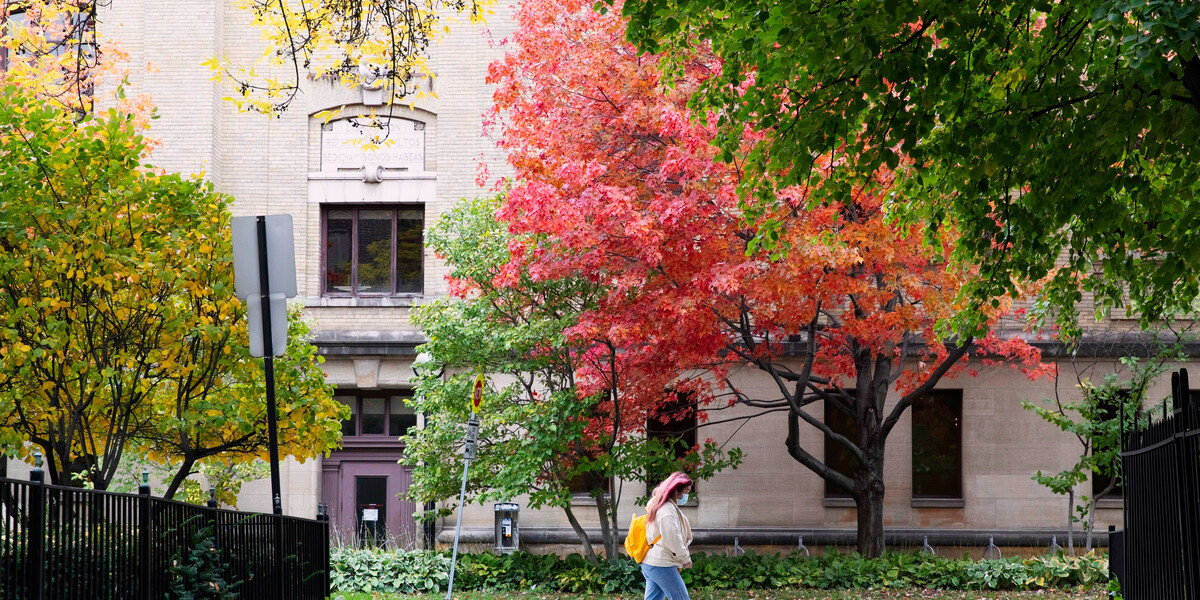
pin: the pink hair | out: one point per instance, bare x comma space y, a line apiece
669, 486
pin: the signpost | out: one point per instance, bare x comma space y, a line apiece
470, 447
264, 274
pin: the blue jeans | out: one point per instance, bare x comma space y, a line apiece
664, 582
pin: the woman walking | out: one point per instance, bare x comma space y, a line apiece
669, 555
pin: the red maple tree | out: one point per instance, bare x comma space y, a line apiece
614, 175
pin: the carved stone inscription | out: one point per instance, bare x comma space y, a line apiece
394, 144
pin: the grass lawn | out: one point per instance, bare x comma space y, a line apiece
915, 594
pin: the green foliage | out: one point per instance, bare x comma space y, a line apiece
359, 570
538, 432
119, 329
397, 572
199, 574
1039, 129
1096, 421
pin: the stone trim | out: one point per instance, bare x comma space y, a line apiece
368, 343
788, 536
938, 503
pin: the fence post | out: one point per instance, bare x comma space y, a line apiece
145, 538
280, 575
324, 519
35, 576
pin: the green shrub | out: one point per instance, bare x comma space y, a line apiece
389, 572
369, 570
197, 573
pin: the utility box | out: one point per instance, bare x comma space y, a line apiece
508, 535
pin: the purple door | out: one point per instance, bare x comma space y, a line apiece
366, 500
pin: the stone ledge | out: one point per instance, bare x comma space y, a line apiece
368, 343
788, 536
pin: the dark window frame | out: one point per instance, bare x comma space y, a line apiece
1099, 482
83, 21
832, 490
4, 14
684, 430
387, 395
579, 492
956, 397
395, 209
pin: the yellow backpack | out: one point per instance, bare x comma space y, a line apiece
635, 541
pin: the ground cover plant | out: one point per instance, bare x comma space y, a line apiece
368, 571
790, 594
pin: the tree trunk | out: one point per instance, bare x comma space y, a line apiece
588, 552
185, 469
1071, 523
618, 543
870, 520
1091, 518
607, 532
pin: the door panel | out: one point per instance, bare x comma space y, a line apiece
375, 485
370, 498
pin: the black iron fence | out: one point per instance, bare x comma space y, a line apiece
59, 542
1160, 463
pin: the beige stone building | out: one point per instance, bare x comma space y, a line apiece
358, 221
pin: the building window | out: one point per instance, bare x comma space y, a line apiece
674, 425
937, 446
12, 18
376, 414
72, 33
837, 456
579, 488
373, 251
1108, 410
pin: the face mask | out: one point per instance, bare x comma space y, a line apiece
682, 500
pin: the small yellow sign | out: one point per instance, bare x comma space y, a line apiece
477, 394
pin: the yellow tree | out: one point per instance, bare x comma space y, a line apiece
378, 43
51, 48
119, 327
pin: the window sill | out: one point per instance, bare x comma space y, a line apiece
404, 301
1111, 503
938, 503
586, 500
834, 502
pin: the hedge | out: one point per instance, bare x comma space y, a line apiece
423, 571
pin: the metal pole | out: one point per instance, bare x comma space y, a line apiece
264, 285
36, 533
462, 496
146, 538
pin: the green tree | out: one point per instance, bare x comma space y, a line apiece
1096, 421
119, 328
537, 433
212, 409
1042, 130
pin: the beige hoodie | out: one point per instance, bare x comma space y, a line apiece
676, 532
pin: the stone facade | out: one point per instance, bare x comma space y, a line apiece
275, 165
